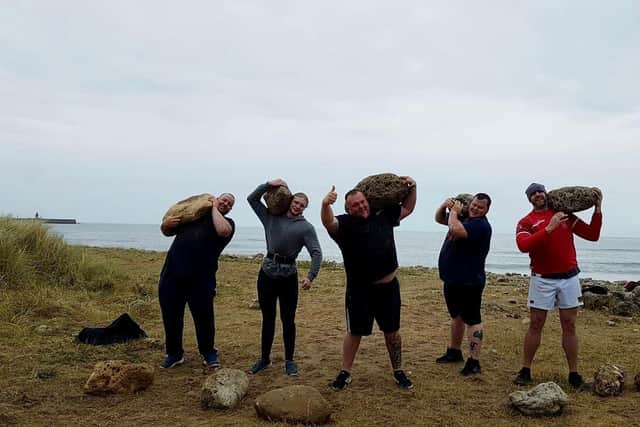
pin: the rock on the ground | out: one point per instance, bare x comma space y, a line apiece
224, 389
382, 190
595, 301
543, 399
278, 200
118, 376
608, 380
626, 308
297, 403
191, 208
636, 381
571, 199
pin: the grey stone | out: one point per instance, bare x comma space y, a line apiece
382, 190
278, 200
465, 199
543, 399
297, 403
608, 380
118, 376
224, 389
191, 208
626, 308
595, 302
571, 199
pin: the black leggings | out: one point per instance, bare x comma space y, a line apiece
174, 294
269, 291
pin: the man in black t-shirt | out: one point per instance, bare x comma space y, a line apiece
189, 277
369, 253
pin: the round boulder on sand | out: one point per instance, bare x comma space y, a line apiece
118, 376
382, 190
296, 403
278, 200
608, 380
543, 399
571, 199
224, 389
191, 208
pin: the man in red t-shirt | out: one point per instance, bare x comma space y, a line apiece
548, 238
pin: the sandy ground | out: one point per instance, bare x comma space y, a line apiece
42, 373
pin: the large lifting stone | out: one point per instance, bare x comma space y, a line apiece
571, 199
278, 200
382, 190
191, 208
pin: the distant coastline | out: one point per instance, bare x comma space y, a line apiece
51, 220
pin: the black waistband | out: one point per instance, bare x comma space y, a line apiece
280, 259
565, 275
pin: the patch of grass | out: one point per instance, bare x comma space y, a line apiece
43, 369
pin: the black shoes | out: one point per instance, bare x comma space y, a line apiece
578, 383
472, 367
342, 380
453, 355
402, 380
523, 377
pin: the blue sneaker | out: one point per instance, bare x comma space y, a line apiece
290, 368
260, 365
172, 361
211, 360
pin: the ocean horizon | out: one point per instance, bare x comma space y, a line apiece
611, 258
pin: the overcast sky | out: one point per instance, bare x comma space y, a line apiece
112, 111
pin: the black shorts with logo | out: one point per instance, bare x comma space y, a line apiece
379, 301
464, 301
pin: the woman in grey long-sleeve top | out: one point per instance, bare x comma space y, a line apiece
278, 278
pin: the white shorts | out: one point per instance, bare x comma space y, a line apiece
547, 294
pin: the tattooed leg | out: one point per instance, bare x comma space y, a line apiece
475, 335
394, 347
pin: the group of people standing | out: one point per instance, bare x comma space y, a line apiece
366, 241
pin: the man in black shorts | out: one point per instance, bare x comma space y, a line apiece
461, 266
369, 253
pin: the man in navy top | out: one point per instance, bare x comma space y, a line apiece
189, 277
461, 265
368, 250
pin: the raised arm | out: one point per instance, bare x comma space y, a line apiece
455, 226
220, 223
409, 202
326, 213
591, 231
254, 198
441, 216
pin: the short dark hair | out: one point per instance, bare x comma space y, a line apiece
483, 196
346, 196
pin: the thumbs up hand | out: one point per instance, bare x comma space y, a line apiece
331, 197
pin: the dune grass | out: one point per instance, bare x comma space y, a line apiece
42, 368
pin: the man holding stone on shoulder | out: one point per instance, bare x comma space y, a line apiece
368, 249
547, 236
462, 269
